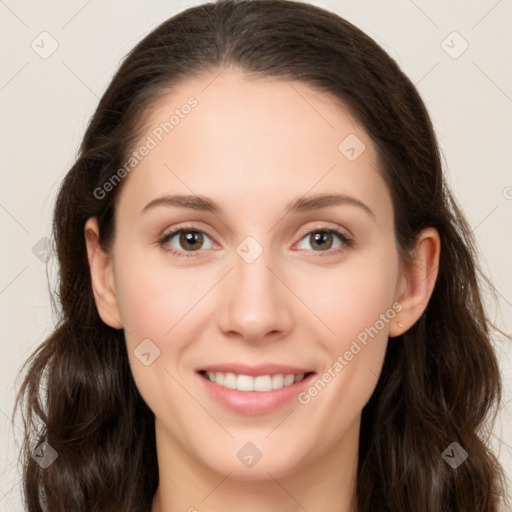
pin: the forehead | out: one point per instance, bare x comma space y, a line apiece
245, 139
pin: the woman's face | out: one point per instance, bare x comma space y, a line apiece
255, 290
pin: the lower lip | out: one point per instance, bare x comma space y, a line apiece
254, 402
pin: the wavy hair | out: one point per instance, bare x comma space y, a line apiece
440, 382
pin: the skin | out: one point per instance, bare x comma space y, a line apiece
253, 146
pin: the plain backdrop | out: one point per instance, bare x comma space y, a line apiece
457, 53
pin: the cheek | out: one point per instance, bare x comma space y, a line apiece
152, 299
161, 304
357, 303
353, 297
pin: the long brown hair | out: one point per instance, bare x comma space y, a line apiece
440, 382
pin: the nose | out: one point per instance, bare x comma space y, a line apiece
255, 305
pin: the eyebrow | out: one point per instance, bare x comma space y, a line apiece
301, 204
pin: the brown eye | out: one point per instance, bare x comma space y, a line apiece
321, 239
192, 240
324, 240
183, 241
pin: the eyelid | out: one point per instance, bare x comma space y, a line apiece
171, 233
327, 226
347, 241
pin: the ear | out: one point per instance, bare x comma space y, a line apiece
417, 281
102, 276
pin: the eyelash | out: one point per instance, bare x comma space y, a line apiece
165, 237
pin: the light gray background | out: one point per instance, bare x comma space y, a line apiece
46, 103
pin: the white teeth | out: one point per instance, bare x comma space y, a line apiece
244, 383
288, 379
229, 381
277, 381
263, 383
249, 383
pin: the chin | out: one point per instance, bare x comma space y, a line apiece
246, 461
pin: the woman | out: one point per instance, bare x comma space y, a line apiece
269, 295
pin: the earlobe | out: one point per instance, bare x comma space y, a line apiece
102, 276
417, 281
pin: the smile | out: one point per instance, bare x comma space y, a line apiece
253, 390
260, 383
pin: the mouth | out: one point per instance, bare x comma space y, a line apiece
260, 383
254, 390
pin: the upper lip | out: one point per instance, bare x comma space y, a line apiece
255, 370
